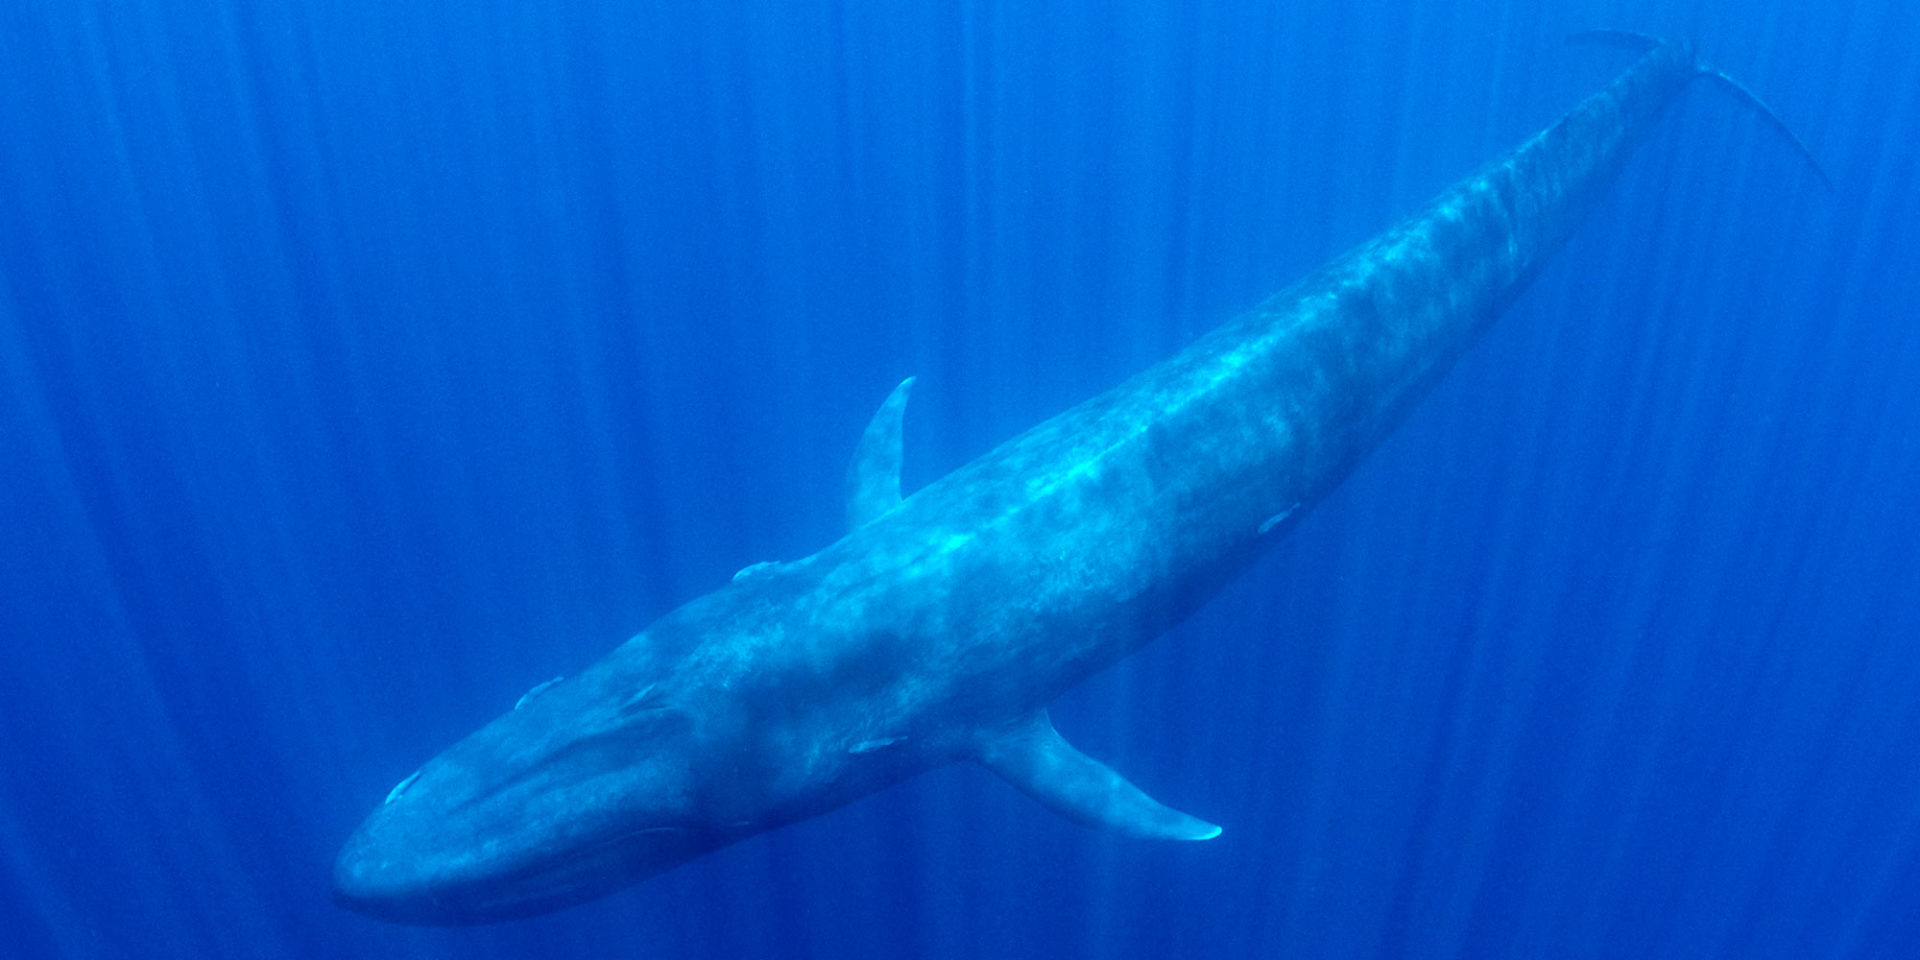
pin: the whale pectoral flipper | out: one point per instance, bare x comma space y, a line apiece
1034, 757
873, 478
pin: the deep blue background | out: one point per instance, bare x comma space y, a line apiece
364, 364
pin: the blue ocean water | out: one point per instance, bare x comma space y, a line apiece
362, 365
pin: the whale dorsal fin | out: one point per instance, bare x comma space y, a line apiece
1034, 757
873, 479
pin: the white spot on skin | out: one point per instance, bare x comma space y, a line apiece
1277, 519
868, 746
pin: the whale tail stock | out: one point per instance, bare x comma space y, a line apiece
1641, 42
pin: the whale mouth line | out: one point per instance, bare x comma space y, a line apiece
532, 889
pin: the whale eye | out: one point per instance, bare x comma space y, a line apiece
400, 788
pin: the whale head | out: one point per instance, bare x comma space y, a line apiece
566, 798
588, 785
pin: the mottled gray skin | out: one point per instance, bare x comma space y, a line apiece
940, 627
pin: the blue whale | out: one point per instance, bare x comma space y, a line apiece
942, 624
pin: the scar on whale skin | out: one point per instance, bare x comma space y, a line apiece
1277, 519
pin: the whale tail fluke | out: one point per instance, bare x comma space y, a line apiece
1766, 113
1632, 40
